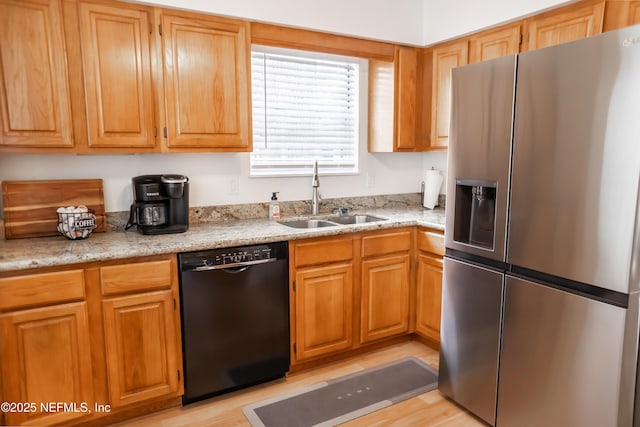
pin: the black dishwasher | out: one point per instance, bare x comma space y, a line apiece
235, 318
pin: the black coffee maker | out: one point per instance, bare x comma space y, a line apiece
161, 204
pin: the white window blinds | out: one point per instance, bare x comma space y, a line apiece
305, 108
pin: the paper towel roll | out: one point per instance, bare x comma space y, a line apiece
432, 184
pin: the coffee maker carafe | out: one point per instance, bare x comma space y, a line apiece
161, 204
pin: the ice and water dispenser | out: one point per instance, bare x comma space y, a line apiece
475, 213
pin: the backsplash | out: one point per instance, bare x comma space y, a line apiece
117, 220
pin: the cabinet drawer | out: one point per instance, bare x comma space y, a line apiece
380, 244
41, 289
321, 252
140, 276
431, 241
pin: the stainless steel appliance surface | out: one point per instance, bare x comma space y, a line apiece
566, 239
235, 318
476, 233
471, 336
558, 355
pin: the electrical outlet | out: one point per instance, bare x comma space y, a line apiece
233, 185
371, 179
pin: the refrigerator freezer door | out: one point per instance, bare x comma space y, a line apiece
560, 360
480, 150
470, 336
576, 161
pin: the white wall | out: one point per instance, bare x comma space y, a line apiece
447, 19
217, 179
391, 20
412, 22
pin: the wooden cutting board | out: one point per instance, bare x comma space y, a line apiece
30, 206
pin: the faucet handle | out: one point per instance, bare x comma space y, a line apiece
341, 211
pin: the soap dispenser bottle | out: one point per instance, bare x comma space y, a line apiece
274, 208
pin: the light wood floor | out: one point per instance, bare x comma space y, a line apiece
428, 409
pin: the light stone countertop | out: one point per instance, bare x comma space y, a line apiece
22, 254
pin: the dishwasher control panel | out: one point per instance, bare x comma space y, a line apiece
232, 256
235, 256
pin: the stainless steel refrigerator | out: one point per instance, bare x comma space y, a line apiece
541, 288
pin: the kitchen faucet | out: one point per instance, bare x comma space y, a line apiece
315, 196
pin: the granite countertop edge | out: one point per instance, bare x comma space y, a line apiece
24, 254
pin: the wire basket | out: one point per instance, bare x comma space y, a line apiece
76, 223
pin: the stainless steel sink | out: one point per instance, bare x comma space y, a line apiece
357, 219
309, 223
334, 221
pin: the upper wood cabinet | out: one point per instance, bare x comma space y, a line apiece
381, 106
207, 81
634, 13
35, 100
116, 54
87, 76
405, 117
392, 102
494, 43
574, 22
445, 58
621, 13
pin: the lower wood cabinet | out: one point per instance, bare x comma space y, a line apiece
429, 296
321, 301
385, 297
349, 291
385, 283
59, 354
45, 358
109, 333
324, 310
430, 245
142, 355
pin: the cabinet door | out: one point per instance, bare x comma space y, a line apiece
117, 71
444, 60
141, 347
385, 297
34, 86
407, 69
567, 24
494, 44
429, 296
393, 103
622, 13
206, 83
324, 310
46, 358
381, 106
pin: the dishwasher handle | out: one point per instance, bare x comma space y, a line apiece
231, 265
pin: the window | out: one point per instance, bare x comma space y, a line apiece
305, 108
